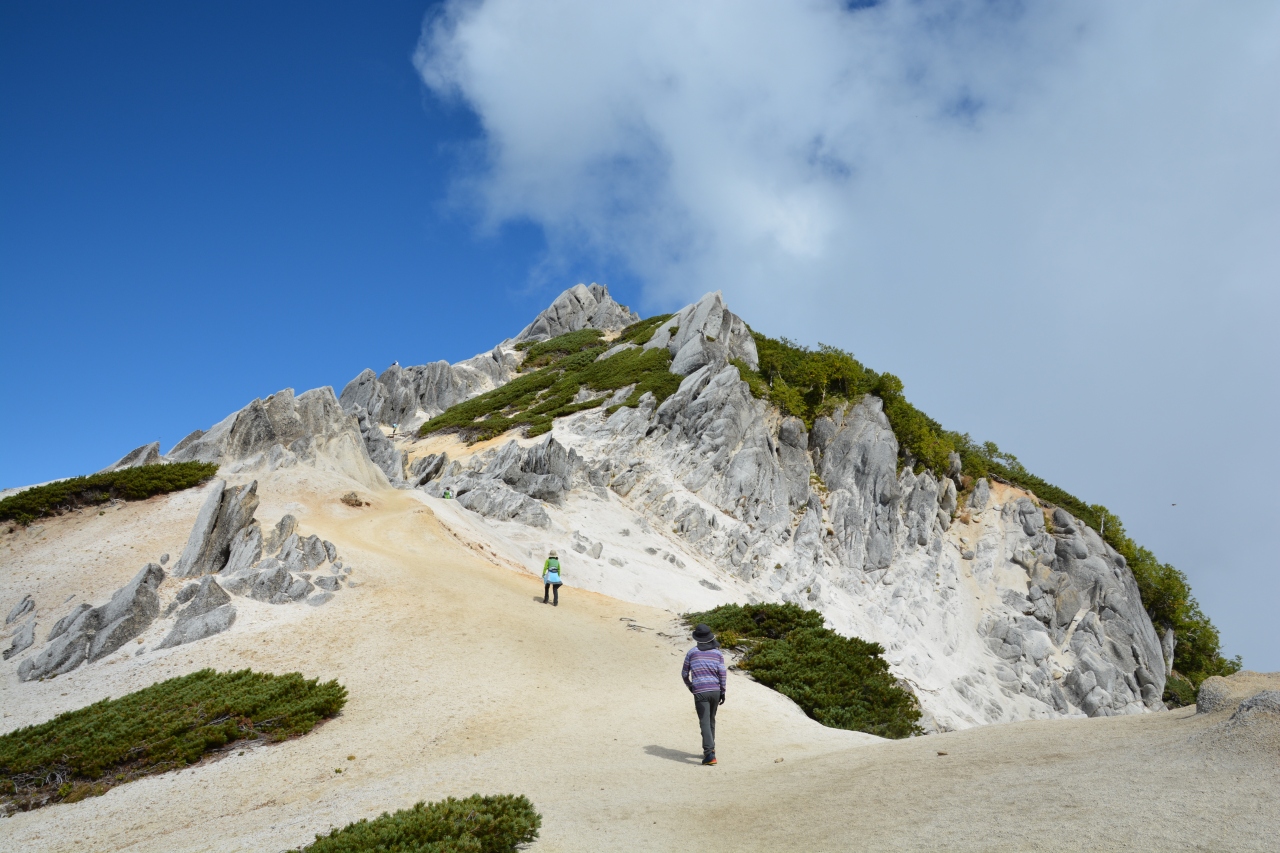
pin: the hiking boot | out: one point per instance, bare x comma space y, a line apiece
709, 760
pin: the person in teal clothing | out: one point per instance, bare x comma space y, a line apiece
551, 578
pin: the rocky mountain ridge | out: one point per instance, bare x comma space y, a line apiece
990, 606
984, 610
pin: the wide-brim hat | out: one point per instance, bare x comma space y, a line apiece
702, 633
554, 554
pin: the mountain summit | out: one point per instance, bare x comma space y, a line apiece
992, 605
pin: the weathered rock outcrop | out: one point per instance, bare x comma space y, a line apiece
281, 431
282, 578
22, 608
989, 614
426, 468
381, 450
90, 633
225, 513
209, 611
706, 332
22, 640
579, 307
512, 482
147, 454
407, 396
1225, 693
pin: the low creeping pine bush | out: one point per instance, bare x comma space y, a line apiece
477, 824
162, 727
555, 372
842, 682
130, 484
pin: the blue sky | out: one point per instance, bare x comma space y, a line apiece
1056, 222
204, 203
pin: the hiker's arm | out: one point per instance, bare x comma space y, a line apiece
684, 674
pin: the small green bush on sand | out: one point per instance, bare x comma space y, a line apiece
477, 824
165, 726
842, 682
131, 484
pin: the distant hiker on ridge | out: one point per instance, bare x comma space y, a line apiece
551, 578
705, 676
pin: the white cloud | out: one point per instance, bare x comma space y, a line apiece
1057, 221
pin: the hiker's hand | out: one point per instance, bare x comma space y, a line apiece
721, 698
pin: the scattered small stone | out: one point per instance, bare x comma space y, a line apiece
352, 499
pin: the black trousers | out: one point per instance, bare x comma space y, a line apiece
706, 704
546, 588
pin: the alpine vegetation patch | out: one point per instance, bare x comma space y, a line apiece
842, 682
555, 375
130, 484
477, 824
166, 726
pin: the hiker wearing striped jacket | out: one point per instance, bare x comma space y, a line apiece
705, 675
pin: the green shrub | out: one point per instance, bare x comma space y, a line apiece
541, 353
1179, 692
642, 332
739, 625
842, 682
130, 484
161, 727
560, 369
494, 824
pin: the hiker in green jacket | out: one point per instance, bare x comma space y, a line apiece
551, 578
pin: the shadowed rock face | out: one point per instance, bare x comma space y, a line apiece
209, 611
147, 454
381, 450
22, 608
22, 640
225, 513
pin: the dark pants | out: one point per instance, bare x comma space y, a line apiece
706, 704
546, 588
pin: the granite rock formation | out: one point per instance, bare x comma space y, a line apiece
282, 431
209, 611
147, 454
580, 307
990, 614
91, 633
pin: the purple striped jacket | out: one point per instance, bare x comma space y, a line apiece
704, 671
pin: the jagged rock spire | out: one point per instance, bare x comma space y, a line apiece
579, 307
